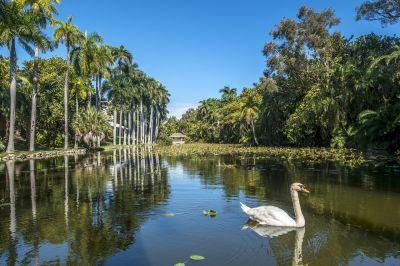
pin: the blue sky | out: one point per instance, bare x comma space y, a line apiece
197, 47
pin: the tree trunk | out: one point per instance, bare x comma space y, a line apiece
97, 91
133, 133
157, 126
141, 122
137, 127
129, 128
115, 127
124, 120
254, 133
150, 141
76, 112
13, 92
34, 101
89, 100
120, 128
100, 90
66, 89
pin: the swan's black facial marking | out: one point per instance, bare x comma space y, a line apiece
303, 189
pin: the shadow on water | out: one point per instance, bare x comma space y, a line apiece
107, 208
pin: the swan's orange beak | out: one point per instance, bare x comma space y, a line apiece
305, 190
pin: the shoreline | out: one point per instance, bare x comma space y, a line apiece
349, 157
28, 155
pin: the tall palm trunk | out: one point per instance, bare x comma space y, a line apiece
89, 99
120, 128
100, 90
97, 91
66, 88
76, 112
34, 100
129, 128
254, 132
13, 92
133, 130
141, 121
137, 127
150, 141
115, 128
157, 124
124, 120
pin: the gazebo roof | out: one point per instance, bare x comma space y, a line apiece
177, 135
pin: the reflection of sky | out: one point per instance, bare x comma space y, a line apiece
50, 252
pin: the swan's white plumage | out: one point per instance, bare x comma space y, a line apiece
274, 216
269, 215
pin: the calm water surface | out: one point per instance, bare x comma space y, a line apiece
112, 208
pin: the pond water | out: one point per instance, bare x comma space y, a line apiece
129, 208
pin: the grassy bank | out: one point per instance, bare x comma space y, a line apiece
40, 154
346, 156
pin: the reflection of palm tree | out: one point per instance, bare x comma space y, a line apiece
66, 204
276, 231
33, 188
34, 212
13, 219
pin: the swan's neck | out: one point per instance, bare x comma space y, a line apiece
300, 222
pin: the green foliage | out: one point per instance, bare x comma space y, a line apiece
385, 11
2, 146
91, 126
50, 109
315, 92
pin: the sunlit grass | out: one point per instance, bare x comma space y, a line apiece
347, 156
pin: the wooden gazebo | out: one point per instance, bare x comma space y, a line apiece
178, 138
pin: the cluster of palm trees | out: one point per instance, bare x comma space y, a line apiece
92, 61
139, 103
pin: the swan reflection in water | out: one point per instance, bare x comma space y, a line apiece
276, 231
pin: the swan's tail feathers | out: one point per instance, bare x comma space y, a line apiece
244, 208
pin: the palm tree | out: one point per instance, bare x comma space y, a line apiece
103, 60
16, 25
228, 94
161, 108
43, 11
83, 57
69, 35
81, 89
250, 113
122, 57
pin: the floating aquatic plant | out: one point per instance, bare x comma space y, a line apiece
169, 214
197, 257
192, 257
211, 213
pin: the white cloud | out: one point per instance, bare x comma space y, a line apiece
179, 109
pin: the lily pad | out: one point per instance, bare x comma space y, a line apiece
179, 264
197, 257
211, 213
169, 214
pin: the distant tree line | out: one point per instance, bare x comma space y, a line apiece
318, 89
45, 101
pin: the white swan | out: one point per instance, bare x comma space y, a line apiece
271, 215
